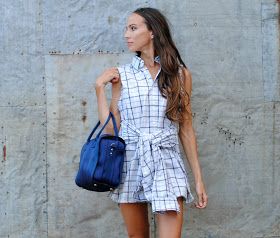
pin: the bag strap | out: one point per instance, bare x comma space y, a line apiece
106, 122
114, 124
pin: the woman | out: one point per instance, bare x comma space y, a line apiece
151, 104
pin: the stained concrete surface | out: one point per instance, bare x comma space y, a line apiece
51, 53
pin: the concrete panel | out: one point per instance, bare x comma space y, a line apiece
21, 65
21, 27
72, 113
23, 172
270, 49
23, 192
87, 26
22, 81
223, 7
230, 107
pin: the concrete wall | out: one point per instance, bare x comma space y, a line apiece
52, 51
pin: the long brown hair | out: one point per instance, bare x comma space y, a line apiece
170, 81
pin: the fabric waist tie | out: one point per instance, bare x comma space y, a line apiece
152, 170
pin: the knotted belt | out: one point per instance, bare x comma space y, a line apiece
152, 174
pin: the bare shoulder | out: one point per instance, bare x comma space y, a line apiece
187, 73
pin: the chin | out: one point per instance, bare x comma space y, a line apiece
133, 48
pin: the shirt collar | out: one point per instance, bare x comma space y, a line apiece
138, 63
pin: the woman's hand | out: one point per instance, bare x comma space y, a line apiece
109, 75
201, 194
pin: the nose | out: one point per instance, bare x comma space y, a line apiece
126, 33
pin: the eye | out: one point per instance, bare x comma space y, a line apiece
133, 28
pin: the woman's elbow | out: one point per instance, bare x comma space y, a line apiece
186, 131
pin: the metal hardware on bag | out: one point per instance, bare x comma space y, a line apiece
95, 185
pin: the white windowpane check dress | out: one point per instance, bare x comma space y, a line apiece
153, 169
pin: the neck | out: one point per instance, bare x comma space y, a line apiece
149, 57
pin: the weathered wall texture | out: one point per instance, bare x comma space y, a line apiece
51, 53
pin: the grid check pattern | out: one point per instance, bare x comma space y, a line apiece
153, 169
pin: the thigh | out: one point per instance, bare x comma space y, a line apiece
136, 219
170, 223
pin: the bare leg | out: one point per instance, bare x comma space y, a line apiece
170, 223
136, 219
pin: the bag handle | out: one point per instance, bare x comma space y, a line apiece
106, 122
114, 124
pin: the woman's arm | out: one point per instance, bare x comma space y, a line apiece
188, 140
109, 75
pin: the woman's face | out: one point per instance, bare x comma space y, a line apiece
137, 35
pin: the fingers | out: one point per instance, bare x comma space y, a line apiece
115, 80
114, 73
109, 75
202, 200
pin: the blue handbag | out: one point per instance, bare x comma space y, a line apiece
101, 160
